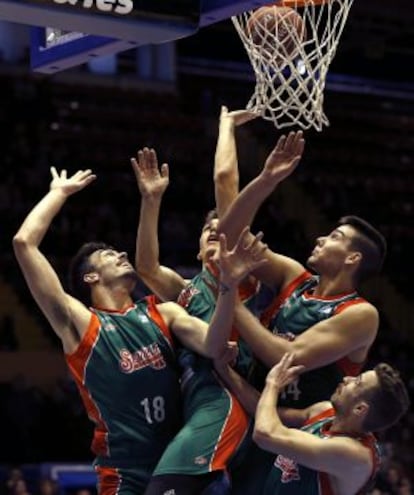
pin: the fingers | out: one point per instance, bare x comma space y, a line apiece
165, 171
286, 360
78, 175
147, 163
82, 173
294, 142
223, 111
238, 117
223, 243
286, 364
252, 243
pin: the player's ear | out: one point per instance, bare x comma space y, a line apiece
353, 258
91, 277
361, 409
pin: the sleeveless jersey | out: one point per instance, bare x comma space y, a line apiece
215, 424
199, 299
292, 313
289, 478
125, 368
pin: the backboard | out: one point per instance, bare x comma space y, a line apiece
67, 33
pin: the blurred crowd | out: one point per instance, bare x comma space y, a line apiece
18, 481
76, 126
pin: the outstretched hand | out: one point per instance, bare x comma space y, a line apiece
245, 257
152, 180
285, 157
236, 117
72, 184
284, 372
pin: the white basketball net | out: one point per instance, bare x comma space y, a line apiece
290, 87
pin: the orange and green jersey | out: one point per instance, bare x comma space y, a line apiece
294, 311
290, 478
199, 299
125, 368
215, 424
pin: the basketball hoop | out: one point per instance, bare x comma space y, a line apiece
290, 82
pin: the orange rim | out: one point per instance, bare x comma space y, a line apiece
301, 3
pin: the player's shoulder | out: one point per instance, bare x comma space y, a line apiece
170, 309
362, 309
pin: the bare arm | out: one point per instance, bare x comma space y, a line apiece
211, 340
281, 162
249, 396
340, 456
351, 330
226, 173
152, 183
63, 312
246, 394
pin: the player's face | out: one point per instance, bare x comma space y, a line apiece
353, 389
331, 252
112, 265
208, 240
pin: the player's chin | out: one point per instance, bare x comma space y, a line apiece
311, 262
211, 251
131, 274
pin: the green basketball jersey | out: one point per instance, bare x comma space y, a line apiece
289, 478
125, 368
215, 424
199, 299
293, 312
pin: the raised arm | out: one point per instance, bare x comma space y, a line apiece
340, 456
281, 162
211, 340
249, 396
226, 172
246, 393
62, 311
152, 183
350, 332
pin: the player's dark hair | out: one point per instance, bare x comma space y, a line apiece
369, 242
388, 401
211, 215
81, 265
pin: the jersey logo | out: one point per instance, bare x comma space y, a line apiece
289, 468
326, 311
150, 355
109, 327
186, 295
200, 461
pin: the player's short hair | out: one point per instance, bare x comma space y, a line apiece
80, 265
211, 215
388, 400
370, 242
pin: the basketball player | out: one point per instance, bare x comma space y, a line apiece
333, 451
320, 318
121, 352
215, 423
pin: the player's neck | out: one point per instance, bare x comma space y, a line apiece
111, 299
345, 425
328, 286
